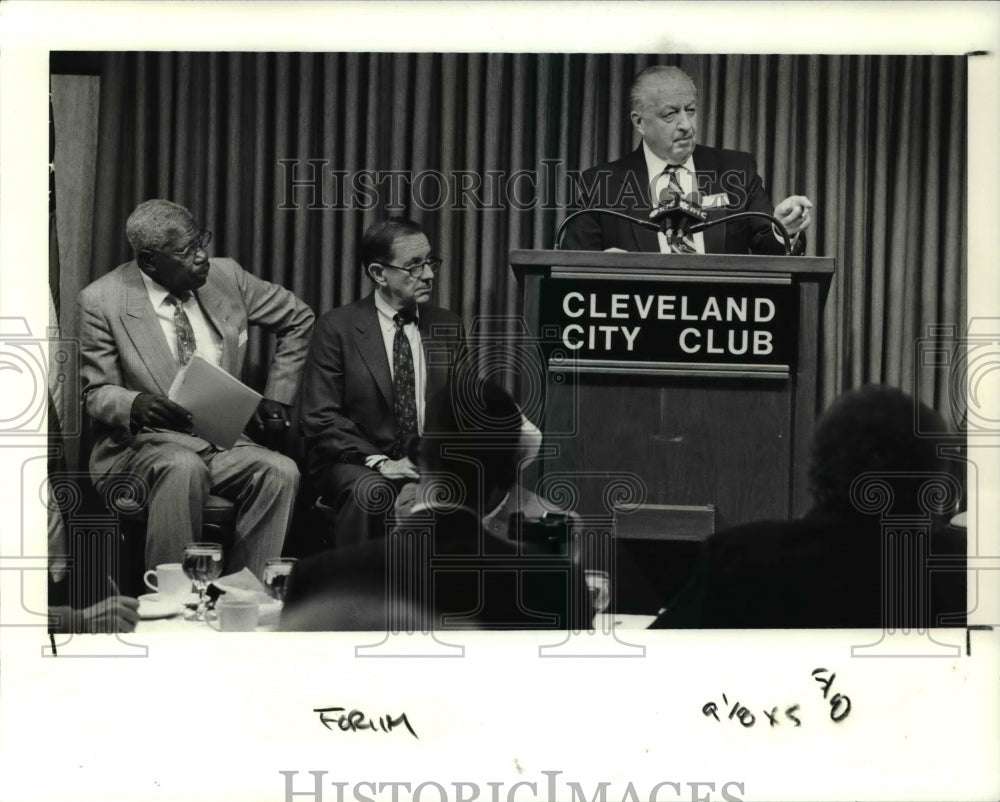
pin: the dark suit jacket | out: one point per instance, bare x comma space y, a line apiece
124, 352
347, 387
822, 570
438, 570
623, 185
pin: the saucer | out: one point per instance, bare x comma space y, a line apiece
183, 600
150, 609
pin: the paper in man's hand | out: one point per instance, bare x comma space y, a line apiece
220, 405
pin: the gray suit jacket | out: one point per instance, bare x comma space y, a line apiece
124, 352
347, 387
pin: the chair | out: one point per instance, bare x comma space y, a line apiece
325, 513
656, 548
127, 503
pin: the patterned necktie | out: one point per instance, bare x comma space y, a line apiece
678, 244
185, 334
404, 393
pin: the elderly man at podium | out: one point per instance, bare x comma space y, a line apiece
670, 165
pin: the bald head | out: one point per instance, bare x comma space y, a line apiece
651, 78
663, 110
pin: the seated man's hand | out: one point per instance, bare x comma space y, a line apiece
615, 250
793, 213
158, 412
271, 414
398, 469
406, 498
114, 614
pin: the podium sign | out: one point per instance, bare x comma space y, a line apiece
671, 324
694, 374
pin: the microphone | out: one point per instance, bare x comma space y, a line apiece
676, 214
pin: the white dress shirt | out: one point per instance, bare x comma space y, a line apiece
685, 176
412, 331
208, 342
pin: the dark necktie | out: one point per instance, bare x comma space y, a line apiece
404, 393
678, 244
186, 344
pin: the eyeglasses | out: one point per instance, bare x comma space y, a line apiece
416, 271
198, 244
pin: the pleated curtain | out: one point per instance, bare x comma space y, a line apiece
877, 142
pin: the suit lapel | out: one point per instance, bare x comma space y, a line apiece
139, 321
436, 335
646, 240
371, 346
715, 237
217, 309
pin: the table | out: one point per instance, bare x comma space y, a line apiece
267, 622
604, 621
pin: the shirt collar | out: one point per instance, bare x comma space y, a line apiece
655, 165
386, 312
157, 294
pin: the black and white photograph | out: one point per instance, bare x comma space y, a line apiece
410, 401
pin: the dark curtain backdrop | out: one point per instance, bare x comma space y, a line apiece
878, 143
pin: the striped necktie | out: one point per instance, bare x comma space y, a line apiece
685, 243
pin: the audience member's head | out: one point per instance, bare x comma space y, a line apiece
396, 254
871, 430
472, 433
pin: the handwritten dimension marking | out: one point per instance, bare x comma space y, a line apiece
355, 721
840, 706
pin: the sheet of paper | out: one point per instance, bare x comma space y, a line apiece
220, 404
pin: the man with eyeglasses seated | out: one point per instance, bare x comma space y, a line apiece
441, 568
139, 324
371, 367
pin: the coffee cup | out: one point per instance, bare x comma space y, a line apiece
168, 580
237, 616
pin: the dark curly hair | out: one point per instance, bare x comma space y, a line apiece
873, 428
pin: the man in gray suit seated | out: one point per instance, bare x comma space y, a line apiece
140, 324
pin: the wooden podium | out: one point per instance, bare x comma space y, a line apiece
694, 374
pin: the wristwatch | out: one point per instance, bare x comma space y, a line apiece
376, 465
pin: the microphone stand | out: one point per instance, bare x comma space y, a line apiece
693, 229
742, 216
562, 226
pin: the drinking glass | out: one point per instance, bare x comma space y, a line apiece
276, 573
202, 564
599, 585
